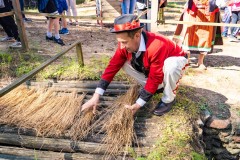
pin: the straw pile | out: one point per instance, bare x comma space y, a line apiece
119, 127
11, 101
46, 111
82, 125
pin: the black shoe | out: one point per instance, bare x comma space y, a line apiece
49, 38
27, 20
163, 108
159, 91
59, 41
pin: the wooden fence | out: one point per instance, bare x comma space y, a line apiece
27, 76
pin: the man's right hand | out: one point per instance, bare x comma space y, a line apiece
92, 103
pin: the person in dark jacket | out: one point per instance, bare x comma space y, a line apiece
9, 26
51, 7
152, 59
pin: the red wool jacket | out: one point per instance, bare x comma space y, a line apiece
158, 48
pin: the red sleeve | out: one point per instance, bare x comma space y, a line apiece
115, 64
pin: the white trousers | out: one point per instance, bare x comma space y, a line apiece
173, 69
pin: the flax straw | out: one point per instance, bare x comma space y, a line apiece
119, 126
9, 103
82, 125
57, 115
46, 111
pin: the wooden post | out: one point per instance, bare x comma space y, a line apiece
154, 14
80, 54
20, 24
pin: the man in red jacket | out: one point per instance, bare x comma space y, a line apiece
153, 60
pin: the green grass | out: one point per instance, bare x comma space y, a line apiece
69, 69
174, 5
15, 64
80, 1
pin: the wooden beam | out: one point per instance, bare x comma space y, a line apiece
63, 16
201, 23
20, 24
6, 14
193, 23
80, 54
80, 84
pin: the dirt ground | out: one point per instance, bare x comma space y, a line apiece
218, 85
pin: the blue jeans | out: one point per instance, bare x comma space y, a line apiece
128, 6
235, 18
226, 19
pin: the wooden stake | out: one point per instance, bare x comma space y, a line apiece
20, 24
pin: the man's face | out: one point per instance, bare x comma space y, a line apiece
131, 44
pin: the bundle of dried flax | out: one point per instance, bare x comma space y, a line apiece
119, 127
48, 112
82, 125
57, 115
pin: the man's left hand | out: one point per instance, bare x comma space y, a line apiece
135, 107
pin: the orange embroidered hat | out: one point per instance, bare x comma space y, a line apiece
126, 22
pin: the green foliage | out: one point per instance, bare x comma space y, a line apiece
27, 62
16, 64
5, 63
5, 58
204, 106
238, 113
197, 156
173, 5
80, 1
140, 158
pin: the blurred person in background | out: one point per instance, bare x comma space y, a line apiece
9, 26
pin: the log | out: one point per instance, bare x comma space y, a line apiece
58, 145
80, 84
16, 130
6, 156
6, 14
50, 144
23, 153
96, 138
90, 91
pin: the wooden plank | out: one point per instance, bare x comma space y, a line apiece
63, 16
201, 23
6, 14
20, 24
81, 84
80, 54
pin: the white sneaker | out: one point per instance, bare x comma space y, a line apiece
16, 44
5, 39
